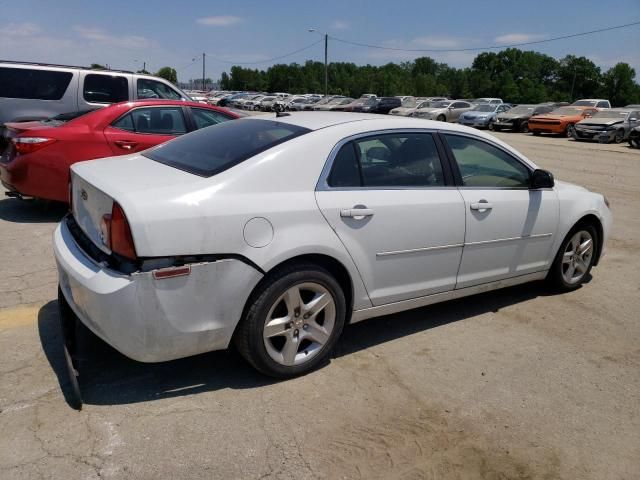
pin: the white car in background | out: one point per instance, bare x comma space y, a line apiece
275, 231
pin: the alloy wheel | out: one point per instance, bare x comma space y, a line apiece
571, 131
299, 324
577, 257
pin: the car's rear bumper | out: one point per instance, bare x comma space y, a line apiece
153, 320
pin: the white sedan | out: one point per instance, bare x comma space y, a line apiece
274, 231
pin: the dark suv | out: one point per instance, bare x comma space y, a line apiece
386, 104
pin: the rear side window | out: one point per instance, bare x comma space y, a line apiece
148, 88
105, 88
154, 120
33, 84
209, 151
390, 160
603, 105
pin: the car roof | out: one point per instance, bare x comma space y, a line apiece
323, 119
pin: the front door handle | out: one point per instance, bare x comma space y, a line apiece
357, 213
481, 205
125, 144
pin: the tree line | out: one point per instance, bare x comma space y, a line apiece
514, 75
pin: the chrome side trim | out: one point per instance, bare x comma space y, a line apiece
511, 239
388, 309
423, 249
466, 244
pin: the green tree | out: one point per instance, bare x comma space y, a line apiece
619, 85
169, 74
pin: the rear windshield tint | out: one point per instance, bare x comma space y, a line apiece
33, 84
217, 148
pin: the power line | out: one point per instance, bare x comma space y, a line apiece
493, 47
267, 60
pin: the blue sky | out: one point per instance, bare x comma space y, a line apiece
125, 33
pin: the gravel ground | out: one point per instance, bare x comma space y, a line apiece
517, 383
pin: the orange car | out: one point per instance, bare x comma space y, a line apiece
560, 120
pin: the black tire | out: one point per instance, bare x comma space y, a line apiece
523, 127
619, 136
441, 118
634, 142
556, 277
570, 131
491, 127
248, 337
496, 128
536, 133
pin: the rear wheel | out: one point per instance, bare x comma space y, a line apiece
292, 322
634, 142
575, 258
441, 118
524, 127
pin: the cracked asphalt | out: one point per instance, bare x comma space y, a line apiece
515, 384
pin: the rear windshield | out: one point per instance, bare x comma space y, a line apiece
215, 149
33, 84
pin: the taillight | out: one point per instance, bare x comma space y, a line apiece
116, 233
26, 145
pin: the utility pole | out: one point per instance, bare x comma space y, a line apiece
326, 48
326, 72
203, 87
144, 67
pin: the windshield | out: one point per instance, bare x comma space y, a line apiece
334, 101
566, 111
484, 108
585, 103
617, 114
409, 103
522, 109
212, 150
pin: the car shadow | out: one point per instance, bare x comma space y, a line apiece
31, 211
109, 378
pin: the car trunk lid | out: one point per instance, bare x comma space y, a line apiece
131, 180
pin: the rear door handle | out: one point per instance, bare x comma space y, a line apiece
481, 206
357, 213
125, 144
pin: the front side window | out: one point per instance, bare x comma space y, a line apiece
148, 88
154, 120
603, 105
105, 88
205, 118
484, 165
209, 151
388, 160
33, 84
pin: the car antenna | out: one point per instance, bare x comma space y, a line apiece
282, 114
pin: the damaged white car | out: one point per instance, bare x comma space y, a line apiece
275, 231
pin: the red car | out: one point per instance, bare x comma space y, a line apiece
37, 160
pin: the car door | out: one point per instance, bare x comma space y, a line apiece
145, 127
392, 203
510, 228
458, 108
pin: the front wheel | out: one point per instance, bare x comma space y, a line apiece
491, 127
575, 258
619, 137
441, 118
524, 127
292, 321
634, 142
571, 131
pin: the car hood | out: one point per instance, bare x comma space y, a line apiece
567, 187
513, 116
600, 121
478, 114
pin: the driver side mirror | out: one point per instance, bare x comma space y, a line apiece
542, 179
